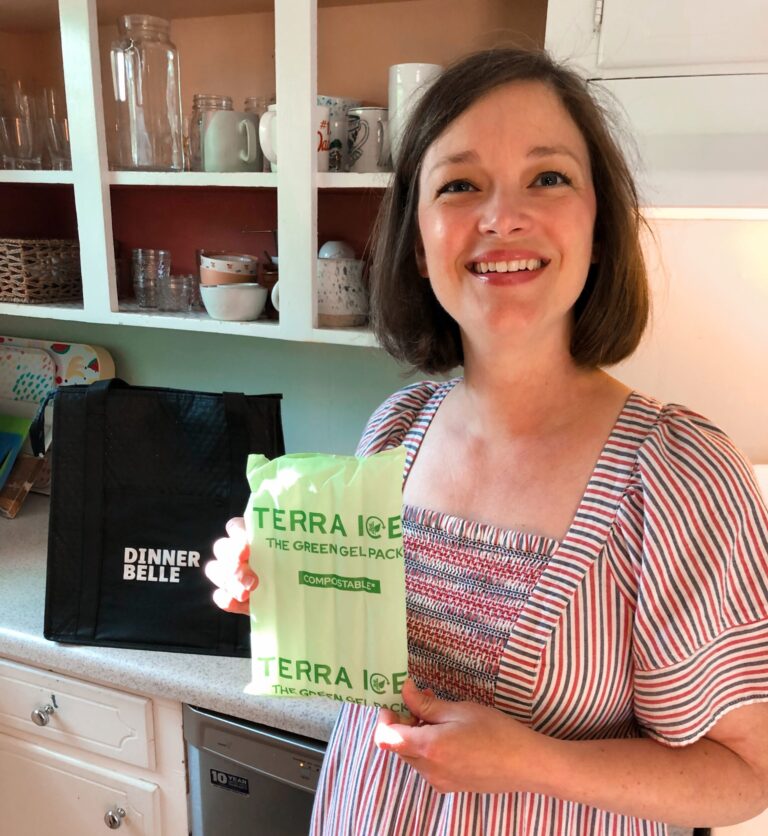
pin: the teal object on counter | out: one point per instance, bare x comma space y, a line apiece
13, 431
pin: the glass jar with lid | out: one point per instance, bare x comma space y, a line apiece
145, 79
202, 103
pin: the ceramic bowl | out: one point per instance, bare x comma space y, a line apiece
209, 277
237, 263
234, 302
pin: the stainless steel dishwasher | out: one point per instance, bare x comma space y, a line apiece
246, 779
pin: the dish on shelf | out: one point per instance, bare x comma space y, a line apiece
227, 268
234, 302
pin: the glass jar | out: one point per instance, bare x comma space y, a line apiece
202, 103
257, 104
145, 78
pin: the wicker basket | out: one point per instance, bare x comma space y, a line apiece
35, 270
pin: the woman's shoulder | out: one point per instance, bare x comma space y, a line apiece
391, 421
682, 434
686, 454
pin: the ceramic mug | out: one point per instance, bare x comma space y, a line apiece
338, 107
368, 140
321, 127
407, 83
342, 297
229, 141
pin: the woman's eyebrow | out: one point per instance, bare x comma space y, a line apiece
454, 159
553, 150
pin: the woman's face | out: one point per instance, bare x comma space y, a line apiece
506, 215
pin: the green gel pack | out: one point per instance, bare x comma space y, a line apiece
328, 615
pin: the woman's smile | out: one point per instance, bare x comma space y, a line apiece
506, 267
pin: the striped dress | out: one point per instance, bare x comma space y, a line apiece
649, 618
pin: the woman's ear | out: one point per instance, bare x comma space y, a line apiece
421, 257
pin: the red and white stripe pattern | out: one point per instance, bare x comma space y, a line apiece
649, 618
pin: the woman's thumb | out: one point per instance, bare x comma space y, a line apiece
423, 705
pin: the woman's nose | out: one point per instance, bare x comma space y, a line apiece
503, 213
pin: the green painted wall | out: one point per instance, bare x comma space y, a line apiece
329, 391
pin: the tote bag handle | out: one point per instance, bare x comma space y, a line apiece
93, 510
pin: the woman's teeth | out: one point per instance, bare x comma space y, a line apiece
506, 266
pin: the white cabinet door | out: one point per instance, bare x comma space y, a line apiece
701, 140
90, 717
47, 794
627, 38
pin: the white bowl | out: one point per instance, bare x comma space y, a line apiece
234, 302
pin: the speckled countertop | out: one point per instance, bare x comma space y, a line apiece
211, 682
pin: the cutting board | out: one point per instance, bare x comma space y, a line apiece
26, 374
71, 363
74, 362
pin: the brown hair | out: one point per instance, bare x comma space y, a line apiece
610, 314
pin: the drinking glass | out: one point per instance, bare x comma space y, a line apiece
19, 142
175, 293
149, 268
57, 143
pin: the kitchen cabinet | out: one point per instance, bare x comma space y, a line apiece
290, 48
691, 78
627, 39
78, 758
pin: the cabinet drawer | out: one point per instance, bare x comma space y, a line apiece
90, 717
42, 792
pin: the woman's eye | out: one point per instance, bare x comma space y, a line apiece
552, 178
456, 187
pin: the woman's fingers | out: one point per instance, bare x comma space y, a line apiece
230, 570
235, 528
232, 550
238, 580
225, 601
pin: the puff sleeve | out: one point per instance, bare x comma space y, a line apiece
700, 636
390, 423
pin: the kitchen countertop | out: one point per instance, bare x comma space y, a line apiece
212, 682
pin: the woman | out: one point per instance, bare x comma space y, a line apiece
586, 567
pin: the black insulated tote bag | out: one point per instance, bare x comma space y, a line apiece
143, 481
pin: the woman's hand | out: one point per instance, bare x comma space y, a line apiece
458, 746
230, 571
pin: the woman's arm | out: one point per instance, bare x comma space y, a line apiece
460, 746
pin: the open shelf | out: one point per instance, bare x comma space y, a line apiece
60, 310
36, 177
251, 180
350, 180
289, 49
361, 336
131, 314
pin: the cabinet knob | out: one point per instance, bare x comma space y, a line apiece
41, 716
114, 817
